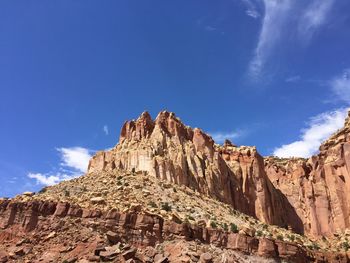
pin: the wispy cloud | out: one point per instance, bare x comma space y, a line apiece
74, 162
341, 86
220, 137
293, 79
276, 14
251, 8
318, 129
281, 19
314, 16
105, 129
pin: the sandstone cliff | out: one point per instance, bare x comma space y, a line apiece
318, 188
168, 193
171, 151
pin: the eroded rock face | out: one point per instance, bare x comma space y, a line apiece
169, 150
318, 188
22, 225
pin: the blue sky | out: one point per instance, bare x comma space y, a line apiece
275, 74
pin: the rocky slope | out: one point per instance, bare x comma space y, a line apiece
319, 187
61, 232
168, 193
167, 149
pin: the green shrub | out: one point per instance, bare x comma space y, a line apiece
233, 228
190, 217
225, 227
279, 237
346, 245
152, 204
314, 246
213, 224
43, 190
66, 192
259, 233
165, 206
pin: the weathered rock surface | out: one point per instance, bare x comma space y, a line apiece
34, 220
171, 151
168, 193
318, 188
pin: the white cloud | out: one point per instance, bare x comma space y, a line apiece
75, 157
276, 14
105, 129
220, 137
74, 162
44, 179
341, 86
319, 128
314, 16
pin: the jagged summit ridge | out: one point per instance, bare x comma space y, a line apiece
166, 124
169, 150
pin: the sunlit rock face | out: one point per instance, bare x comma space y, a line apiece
309, 196
172, 151
318, 188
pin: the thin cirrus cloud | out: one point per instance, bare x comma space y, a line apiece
341, 86
251, 8
105, 129
281, 18
276, 14
74, 162
315, 15
318, 129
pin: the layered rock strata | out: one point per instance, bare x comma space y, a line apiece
40, 221
171, 151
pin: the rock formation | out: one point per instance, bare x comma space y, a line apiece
26, 224
171, 151
319, 187
168, 193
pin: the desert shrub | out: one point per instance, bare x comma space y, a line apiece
43, 190
259, 233
165, 206
314, 246
66, 193
291, 237
213, 224
190, 217
346, 245
152, 204
279, 237
233, 228
225, 227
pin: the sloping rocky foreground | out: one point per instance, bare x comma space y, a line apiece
43, 231
168, 193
